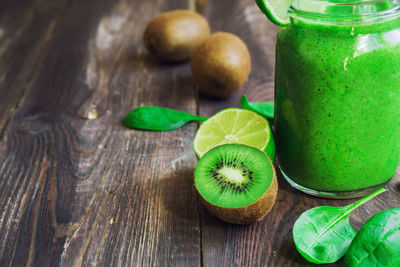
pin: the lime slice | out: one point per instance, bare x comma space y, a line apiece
235, 126
276, 11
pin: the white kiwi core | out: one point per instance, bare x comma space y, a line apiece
234, 175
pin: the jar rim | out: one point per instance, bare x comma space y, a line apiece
345, 12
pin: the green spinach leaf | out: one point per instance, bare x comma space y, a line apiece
158, 118
323, 234
265, 109
378, 241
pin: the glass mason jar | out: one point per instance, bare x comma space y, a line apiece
337, 96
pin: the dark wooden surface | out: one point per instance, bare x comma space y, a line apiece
77, 188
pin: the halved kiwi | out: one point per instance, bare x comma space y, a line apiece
237, 183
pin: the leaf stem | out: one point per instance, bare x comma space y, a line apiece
348, 209
367, 198
199, 118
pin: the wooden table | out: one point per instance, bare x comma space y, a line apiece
77, 188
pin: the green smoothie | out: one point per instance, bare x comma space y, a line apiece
337, 97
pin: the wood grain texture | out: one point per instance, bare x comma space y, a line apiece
79, 189
25, 29
270, 242
76, 187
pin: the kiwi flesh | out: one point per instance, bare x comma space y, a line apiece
237, 183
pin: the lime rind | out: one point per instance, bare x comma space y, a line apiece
276, 11
235, 126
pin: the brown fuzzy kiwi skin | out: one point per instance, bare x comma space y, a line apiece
249, 214
173, 36
221, 65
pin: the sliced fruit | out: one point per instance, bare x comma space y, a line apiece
237, 183
276, 11
235, 126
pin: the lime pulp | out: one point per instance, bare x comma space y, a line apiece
235, 126
276, 11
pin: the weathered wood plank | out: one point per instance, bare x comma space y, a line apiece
76, 187
270, 242
25, 29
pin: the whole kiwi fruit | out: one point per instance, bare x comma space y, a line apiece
220, 65
172, 36
237, 183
